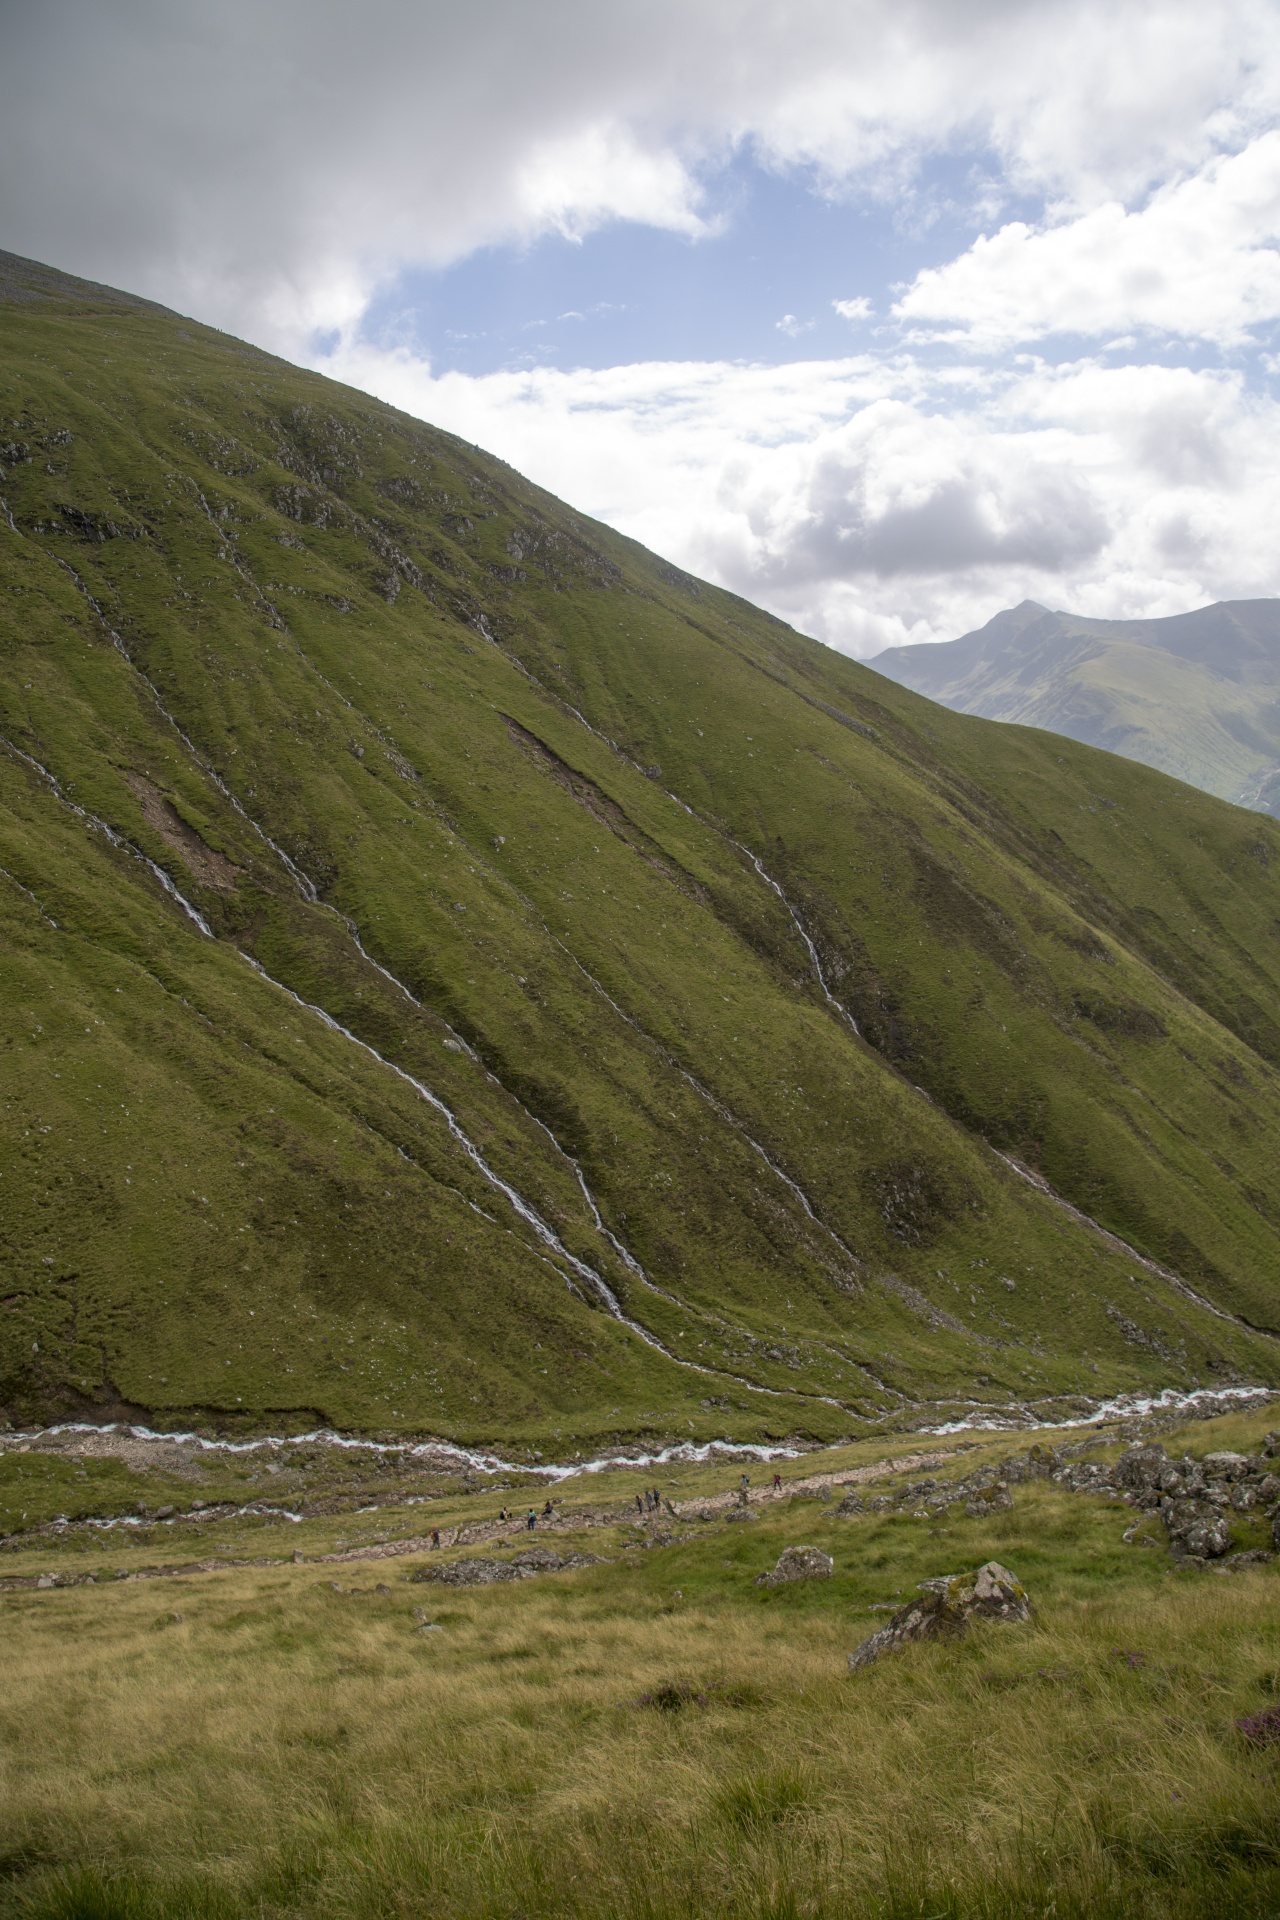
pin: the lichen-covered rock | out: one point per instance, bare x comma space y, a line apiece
1139, 1468
798, 1563
740, 1513
991, 1499
1196, 1527
946, 1608
1086, 1476
1226, 1466
1260, 1490
852, 1503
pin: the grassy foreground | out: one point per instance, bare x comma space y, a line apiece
654, 1735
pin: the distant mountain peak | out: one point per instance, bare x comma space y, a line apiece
1196, 694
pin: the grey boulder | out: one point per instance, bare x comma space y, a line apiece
1139, 1469
946, 1608
798, 1563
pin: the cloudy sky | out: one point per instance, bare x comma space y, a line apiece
886, 313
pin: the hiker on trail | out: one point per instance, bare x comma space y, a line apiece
777, 1483
639, 1506
435, 1536
745, 1482
548, 1512
657, 1501
504, 1515
531, 1520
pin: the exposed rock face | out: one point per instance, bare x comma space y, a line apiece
948, 1605
798, 1563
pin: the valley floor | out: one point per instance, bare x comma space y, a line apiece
309, 1728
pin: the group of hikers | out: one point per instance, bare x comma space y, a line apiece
650, 1501
530, 1520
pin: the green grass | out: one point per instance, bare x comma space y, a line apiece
219, 1209
656, 1737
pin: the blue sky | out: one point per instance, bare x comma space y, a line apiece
607, 243
761, 285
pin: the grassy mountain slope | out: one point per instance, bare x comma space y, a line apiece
434, 933
1197, 695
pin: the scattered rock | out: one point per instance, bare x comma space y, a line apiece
798, 1563
46, 1580
852, 1503
949, 1603
483, 1572
740, 1513
382, 1587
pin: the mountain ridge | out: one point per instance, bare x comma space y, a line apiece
464, 977
1195, 694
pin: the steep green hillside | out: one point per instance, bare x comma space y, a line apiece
1197, 695
461, 975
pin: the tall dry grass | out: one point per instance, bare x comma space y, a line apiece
287, 1751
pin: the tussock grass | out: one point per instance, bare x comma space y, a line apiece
590, 1745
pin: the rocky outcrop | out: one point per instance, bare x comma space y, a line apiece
1196, 1498
798, 1563
948, 1605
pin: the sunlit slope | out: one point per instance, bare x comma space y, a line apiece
1196, 694
540, 1112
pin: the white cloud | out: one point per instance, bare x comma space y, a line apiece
874, 501
859, 309
575, 183
1199, 261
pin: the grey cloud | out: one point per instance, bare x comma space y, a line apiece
247, 159
1033, 518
